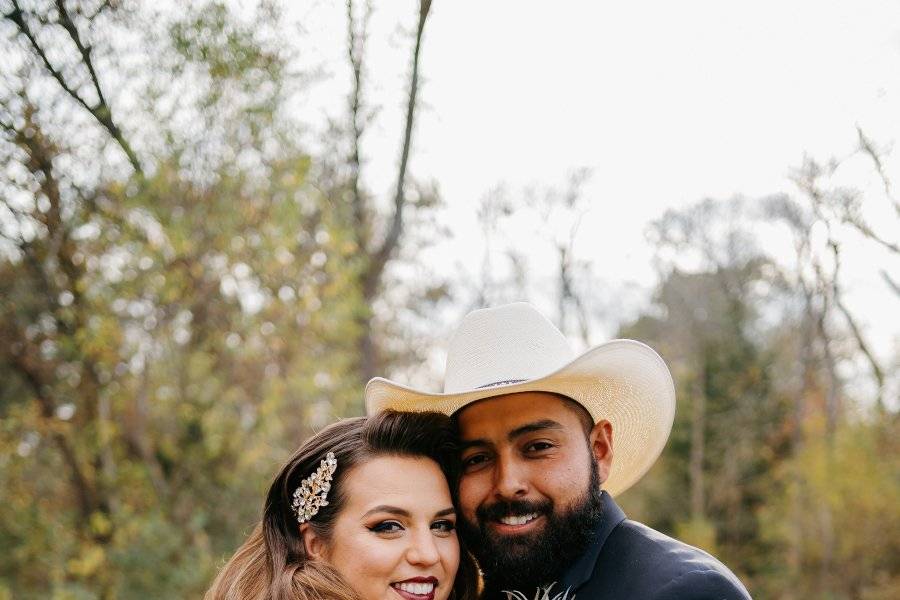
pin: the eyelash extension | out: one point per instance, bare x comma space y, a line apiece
449, 525
394, 527
385, 527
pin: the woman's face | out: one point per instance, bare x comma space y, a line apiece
395, 538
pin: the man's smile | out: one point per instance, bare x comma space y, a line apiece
516, 524
518, 520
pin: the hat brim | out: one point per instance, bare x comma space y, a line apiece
623, 381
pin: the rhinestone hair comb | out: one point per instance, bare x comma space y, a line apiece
313, 491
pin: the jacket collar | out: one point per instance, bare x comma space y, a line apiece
582, 570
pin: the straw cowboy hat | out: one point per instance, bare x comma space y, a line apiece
514, 348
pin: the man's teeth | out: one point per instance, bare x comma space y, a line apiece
521, 520
419, 589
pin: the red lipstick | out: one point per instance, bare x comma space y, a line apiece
411, 585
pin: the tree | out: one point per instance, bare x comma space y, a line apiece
766, 425
706, 320
169, 329
377, 238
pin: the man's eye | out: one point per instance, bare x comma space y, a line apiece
474, 460
386, 527
443, 526
539, 446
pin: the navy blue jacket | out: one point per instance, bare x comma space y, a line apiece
630, 561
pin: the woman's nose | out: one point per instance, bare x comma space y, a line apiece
423, 549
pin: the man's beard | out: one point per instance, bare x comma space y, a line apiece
525, 562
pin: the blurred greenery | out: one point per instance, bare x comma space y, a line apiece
186, 292
772, 464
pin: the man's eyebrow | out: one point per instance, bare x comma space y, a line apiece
466, 444
532, 427
394, 510
515, 433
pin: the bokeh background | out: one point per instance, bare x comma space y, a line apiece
218, 220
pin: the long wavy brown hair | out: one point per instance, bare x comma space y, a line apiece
273, 565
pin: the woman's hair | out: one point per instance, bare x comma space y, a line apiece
273, 565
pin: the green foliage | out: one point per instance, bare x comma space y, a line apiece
836, 522
167, 339
699, 532
708, 329
799, 501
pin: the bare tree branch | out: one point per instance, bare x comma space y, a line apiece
568, 295
357, 35
698, 444
101, 110
371, 276
832, 395
869, 149
104, 6
891, 283
816, 319
877, 371
864, 229
393, 236
17, 16
830, 287
834, 295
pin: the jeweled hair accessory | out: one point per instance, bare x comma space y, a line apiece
313, 491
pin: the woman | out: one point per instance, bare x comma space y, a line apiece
361, 511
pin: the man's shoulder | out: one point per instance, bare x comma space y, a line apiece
665, 550
650, 564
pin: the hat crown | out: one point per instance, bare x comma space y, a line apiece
501, 345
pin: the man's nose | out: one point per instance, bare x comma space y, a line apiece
423, 550
510, 481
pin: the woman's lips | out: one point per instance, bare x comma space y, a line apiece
416, 588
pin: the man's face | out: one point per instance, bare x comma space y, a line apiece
530, 480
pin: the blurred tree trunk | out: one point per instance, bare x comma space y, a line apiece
376, 251
698, 446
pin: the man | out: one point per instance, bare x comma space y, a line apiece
547, 441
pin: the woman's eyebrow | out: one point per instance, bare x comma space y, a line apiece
402, 512
394, 510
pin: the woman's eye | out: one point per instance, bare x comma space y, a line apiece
443, 526
386, 527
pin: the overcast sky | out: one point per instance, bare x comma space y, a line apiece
666, 102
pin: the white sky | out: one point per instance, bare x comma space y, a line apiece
667, 102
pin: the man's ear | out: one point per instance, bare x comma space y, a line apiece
601, 439
312, 542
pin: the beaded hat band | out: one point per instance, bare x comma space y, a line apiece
313, 491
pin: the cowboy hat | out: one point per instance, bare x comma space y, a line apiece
514, 348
